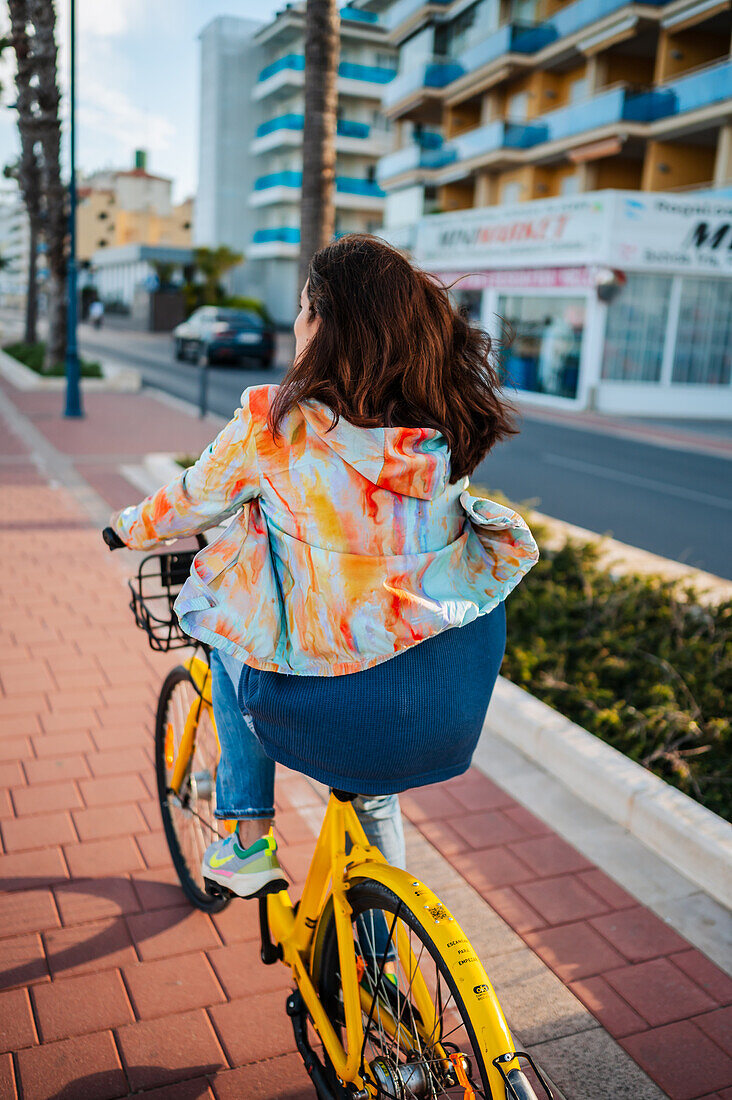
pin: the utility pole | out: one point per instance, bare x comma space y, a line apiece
73, 387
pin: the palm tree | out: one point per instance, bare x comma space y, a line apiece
317, 207
27, 171
48, 129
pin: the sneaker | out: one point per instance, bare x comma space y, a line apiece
247, 872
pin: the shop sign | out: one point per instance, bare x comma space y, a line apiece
535, 278
561, 230
668, 233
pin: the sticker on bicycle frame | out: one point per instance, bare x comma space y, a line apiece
481, 991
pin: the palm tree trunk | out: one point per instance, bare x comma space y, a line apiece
29, 173
43, 17
317, 206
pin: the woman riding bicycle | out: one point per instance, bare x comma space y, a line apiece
354, 601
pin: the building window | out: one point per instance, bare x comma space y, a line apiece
543, 355
511, 192
518, 107
569, 185
636, 330
703, 352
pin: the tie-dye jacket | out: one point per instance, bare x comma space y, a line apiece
343, 547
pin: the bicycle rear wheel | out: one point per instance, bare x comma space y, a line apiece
404, 1056
188, 817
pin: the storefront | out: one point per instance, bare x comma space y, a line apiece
614, 300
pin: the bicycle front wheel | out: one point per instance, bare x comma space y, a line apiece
188, 816
406, 1054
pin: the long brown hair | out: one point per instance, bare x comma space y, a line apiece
391, 350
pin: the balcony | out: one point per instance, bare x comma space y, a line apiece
289, 71
405, 11
351, 194
702, 88
411, 158
344, 127
430, 76
524, 38
282, 243
356, 15
289, 234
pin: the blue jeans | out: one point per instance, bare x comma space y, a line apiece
245, 776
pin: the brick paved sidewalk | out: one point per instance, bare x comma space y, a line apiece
113, 986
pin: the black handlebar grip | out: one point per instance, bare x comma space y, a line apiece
112, 539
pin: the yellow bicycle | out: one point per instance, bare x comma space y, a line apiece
384, 976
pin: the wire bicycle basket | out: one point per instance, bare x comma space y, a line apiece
154, 590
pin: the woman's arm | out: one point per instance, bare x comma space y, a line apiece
225, 477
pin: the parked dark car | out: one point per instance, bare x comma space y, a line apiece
224, 336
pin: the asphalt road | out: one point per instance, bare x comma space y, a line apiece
677, 503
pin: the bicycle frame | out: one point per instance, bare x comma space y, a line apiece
331, 873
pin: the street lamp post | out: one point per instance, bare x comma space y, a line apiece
73, 387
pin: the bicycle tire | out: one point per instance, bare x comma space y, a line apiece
365, 895
173, 810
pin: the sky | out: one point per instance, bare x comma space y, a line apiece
137, 78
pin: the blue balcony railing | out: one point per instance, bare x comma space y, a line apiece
403, 10
431, 74
412, 157
288, 234
345, 184
359, 16
373, 74
294, 61
344, 127
700, 89
278, 179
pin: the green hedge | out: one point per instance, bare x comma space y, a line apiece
33, 355
636, 660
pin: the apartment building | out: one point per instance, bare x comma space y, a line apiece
575, 159
251, 141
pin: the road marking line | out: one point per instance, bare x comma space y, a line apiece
635, 479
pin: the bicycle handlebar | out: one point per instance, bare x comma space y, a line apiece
114, 542
112, 539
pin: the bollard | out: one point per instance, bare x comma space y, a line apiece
203, 386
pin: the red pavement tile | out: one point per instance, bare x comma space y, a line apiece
20, 872
11, 774
442, 836
615, 1015
45, 798
574, 951
151, 812
295, 859
199, 1089
172, 985
475, 791
96, 858
550, 855
16, 1021
112, 790
531, 825
703, 971
13, 748
154, 848
718, 1026
429, 803
70, 700
119, 762
69, 721
159, 1052
108, 821
293, 828
21, 835
55, 769
493, 867
174, 931
7, 1078
51, 746
514, 910
159, 888
86, 948
86, 1068
22, 961
659, 991
79, 1006
238, 922
241, 973
27, 911
612, 894
95, 899
485, 830
254, 1028
562, 899
284, 1078
638, 934
681, 1059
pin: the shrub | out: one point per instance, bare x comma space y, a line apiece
636, 660
33, 355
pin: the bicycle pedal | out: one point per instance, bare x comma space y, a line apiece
274, 887
216, 890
